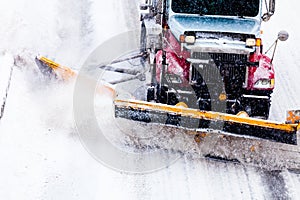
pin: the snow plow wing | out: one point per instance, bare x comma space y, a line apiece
149, 112
51, 68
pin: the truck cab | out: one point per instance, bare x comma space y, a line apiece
212, 51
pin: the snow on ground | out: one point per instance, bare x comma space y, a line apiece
41, 155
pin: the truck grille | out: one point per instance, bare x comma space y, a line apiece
223, 58
231, 68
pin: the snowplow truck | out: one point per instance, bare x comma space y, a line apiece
207, 70
209, 54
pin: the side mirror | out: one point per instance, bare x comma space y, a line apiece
283, 36
272, 6
270, 11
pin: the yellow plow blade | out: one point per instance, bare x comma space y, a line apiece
159, 113
48, 66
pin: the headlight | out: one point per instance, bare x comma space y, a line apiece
190, 39
250, 42
264, 83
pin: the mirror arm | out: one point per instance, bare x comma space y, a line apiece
282, 36
270, 10
271, 7
276, 42
266, 17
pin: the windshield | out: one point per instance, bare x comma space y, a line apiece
247, 8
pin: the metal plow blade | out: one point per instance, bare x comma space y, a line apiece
246, 140
51, 68
187, 118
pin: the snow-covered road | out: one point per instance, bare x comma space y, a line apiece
41, 156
